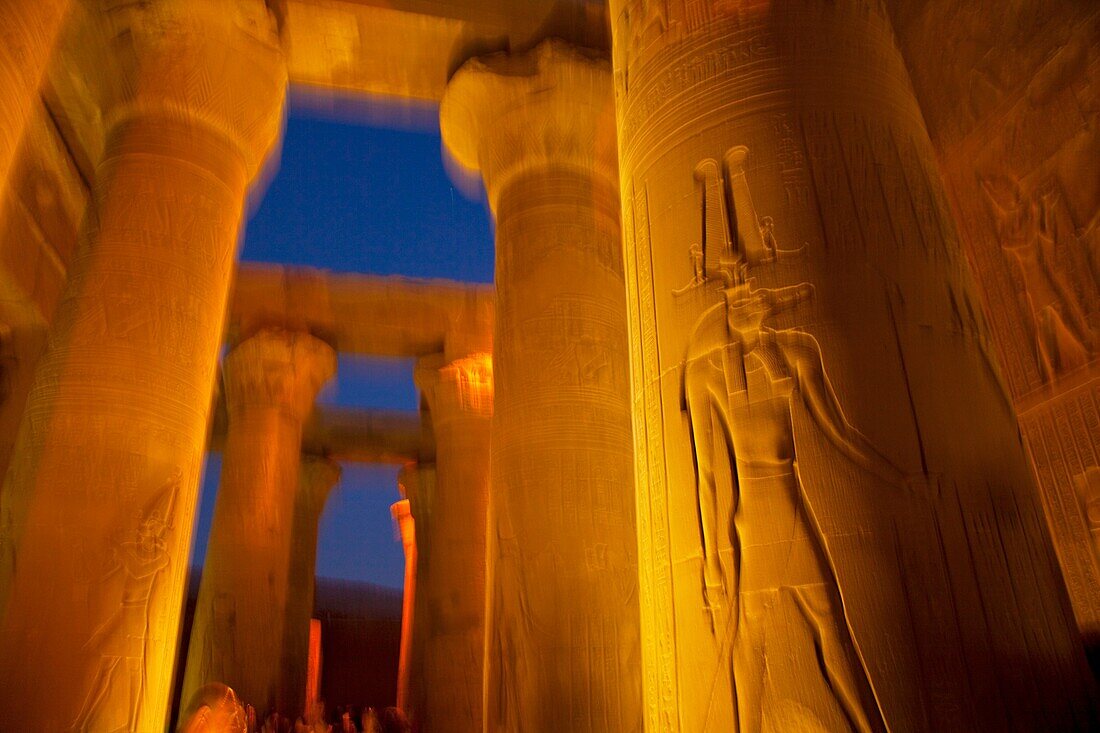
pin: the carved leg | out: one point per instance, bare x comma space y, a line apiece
703, 382
135, 669
823, 612
100, 685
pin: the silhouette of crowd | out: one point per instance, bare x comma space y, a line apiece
215, 709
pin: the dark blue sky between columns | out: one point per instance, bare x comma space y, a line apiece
363, 191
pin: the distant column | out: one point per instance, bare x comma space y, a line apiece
98, 505
316, 477
562, 623
316, 665
271, 380
451, 548
28, 31
405, 524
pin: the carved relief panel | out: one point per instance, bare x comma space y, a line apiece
803, 332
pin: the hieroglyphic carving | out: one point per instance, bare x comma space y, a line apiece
136, 563
686, 77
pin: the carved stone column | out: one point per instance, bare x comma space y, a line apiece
237, 638
562, 621
28, 30
98, 505
837, 525
316, 477
451, 548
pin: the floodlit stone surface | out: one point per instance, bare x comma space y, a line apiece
239, 635
835, 528
450, 544
838, 529
98, 503
562, 631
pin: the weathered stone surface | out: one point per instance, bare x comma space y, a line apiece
562, 620
831, 486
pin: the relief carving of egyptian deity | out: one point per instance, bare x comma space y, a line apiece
792, 654
121, 641
1025, 228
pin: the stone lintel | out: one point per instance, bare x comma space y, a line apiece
363, 314
410, 48
350, 435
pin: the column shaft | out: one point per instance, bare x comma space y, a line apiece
317, 476
406, 525
563, 627
240, 617
98, 504
562, 621
811, 381
460, 399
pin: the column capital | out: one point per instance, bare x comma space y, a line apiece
402, 514
316, 477
505, 114
214, 62
416, 482
276, 368
461, 386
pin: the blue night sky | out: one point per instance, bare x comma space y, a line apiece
358, 197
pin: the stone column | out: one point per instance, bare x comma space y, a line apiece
459, 395
28, 30
98, 505
812, 382
237, 638
316, 477
407, 527
562, 622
